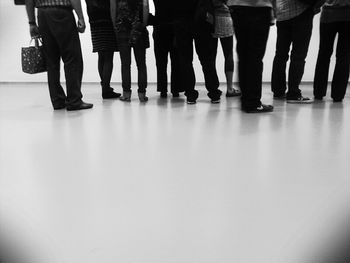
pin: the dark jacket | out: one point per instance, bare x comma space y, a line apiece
195, 10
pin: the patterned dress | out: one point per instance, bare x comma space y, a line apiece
223, 21
129, 27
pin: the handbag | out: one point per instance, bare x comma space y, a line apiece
33, 58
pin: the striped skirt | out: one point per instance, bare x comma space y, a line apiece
103, 36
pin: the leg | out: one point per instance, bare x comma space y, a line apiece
125, 58
52, 53
278, 77
252, 27
301, 35
206, 51
327, 37
342, 66
105, 69
184, 45
140, 58
227, 48
62, 24
176, 76
161, 50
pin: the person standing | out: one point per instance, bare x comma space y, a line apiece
129, 21
103, 42
251, 21
193, 21
335, 20
164, 45
294, 28
224, 32
59, 32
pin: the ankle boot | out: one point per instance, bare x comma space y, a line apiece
126, 96
142, 96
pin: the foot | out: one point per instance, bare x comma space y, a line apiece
279, 97
299, 100
191, 101
215, 101
142, 97
163, 94
260, 109
176, 94
337, 100
82, 106
110, 95
126, 96
233, 93
59, 107
318, 98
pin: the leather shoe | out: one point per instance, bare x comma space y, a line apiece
82, 106
110, 95
59, 107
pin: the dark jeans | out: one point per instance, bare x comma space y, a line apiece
328, 32
185, 34
140, 58
164, 45
295, 32
61, 40
252, 26
227, 49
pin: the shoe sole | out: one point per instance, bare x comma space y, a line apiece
299, 102
75, 109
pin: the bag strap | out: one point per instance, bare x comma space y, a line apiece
37, 41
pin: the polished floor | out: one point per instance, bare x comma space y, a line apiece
167, 182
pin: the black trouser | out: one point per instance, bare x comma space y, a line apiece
140, 58
185, 34
164, 44
61, 40
227, 49
252, 26
328, 32
296, 32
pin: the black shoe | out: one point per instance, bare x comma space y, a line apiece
319, 98
176, 94
215, 101
163, 94
110, 95
260, 109
279, 97
82, 106
337, 100
299, 100
59, 107
191, 101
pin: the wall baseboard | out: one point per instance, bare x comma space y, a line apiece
133, 83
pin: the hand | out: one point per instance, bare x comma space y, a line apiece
34, 31
81, 25
210, 18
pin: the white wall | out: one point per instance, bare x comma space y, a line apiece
14, 33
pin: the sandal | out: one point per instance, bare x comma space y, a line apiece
234, 93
